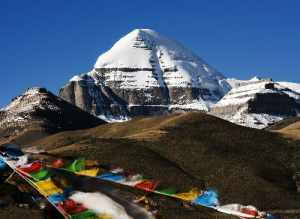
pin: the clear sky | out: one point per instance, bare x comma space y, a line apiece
45, 42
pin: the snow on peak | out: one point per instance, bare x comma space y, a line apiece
157, 61
33, 91
26, 102
76, 78
135, 50
255, 78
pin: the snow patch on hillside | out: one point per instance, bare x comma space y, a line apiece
195, 105
113, 119
252, 120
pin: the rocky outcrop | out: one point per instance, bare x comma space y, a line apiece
104, 100
278, 103
92, 97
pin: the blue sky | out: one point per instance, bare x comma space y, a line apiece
44, 43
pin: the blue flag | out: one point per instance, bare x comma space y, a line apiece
3, 165
208, 198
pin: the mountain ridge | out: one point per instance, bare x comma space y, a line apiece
258, 102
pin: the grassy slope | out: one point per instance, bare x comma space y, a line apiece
289, 128
246, 165
284, 123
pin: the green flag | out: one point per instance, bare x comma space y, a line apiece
77, 165
85, 215
40, 175
167, 191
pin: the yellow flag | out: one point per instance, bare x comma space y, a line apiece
105, 216
188, 196
90, 163
90, 172
47, 187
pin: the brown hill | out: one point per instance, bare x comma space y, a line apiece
246, 165
289, 128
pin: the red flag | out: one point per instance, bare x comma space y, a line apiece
59, 163
72, 207
249, 210
147, 185
34, 167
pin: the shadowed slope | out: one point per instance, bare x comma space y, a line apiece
193, 149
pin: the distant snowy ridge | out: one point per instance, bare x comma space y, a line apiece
245, 92
258, 103
233, 82
256, 84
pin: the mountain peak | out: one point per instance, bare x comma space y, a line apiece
39, 112
132, 50
139, 31
172, 63
255, 78
28, 100
149, 35
146, 72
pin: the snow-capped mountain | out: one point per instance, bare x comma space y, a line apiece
146, 73
258, 102
39, 111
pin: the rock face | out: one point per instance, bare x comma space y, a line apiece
145, 73
258, 103
38, 111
